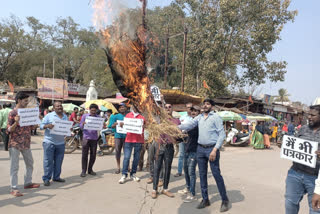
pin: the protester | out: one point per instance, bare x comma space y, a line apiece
89, 142
190, 159
73, 116
118, 138
181, 145
20, 139
211, 137
53, 146
153, 161
165, 152
133, 141
301, 179
4, 113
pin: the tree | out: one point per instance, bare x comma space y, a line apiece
283, 96
230, 40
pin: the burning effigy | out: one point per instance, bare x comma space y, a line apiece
125, 43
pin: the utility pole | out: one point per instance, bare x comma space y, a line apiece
166, 60
44, 68
52, 89
184, 57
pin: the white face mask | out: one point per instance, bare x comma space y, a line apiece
135, 114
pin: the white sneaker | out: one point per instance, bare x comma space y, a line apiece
184, 191
190, 198
135, 178
123, 179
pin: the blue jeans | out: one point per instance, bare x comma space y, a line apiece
190, 163
103, 134
181, 157
52, 161
127, 154
297, 185
203, 159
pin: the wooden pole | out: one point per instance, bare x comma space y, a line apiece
184, 57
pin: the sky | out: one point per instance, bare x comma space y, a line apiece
299, 44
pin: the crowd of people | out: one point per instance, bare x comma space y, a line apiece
205, 136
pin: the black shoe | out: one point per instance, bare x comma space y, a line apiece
46, 183
177, 175
203, 204
92, 173
83, 174
60, 180
225, 206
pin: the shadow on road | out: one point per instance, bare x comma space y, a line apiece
34, 196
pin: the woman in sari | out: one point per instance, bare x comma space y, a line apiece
257, 140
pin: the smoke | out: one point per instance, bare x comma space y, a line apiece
116, 14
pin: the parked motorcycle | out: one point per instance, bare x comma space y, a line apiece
73, 142
234, 138
106, 149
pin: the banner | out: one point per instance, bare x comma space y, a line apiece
29, 116
133, 125
299, 150
94, 123
52, 88
61, 127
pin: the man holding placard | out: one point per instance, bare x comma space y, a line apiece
301, 178
20, 139
134, 140
56, 127
90, 124
118, 137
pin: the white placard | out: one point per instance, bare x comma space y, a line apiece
61, 127
133, 129
29, 116
133, 121
94, 123
120, 129
299, 150
156, 93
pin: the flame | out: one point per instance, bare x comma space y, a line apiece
129, 54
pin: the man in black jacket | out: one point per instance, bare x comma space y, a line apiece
190, 159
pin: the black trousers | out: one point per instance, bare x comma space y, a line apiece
163, 154
86, 146
5, 138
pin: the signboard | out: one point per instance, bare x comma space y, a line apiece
120, 129
29, 116
61, 127
52, 88
73, 88
299, 150
156, 93
94, 123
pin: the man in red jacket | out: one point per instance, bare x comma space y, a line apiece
132, 141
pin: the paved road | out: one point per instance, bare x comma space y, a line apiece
255, 183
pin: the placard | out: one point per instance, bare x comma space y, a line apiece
133, 121
61, 127
133, 129
299, 150
156, 93
120, 129
94, 123
29, 116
